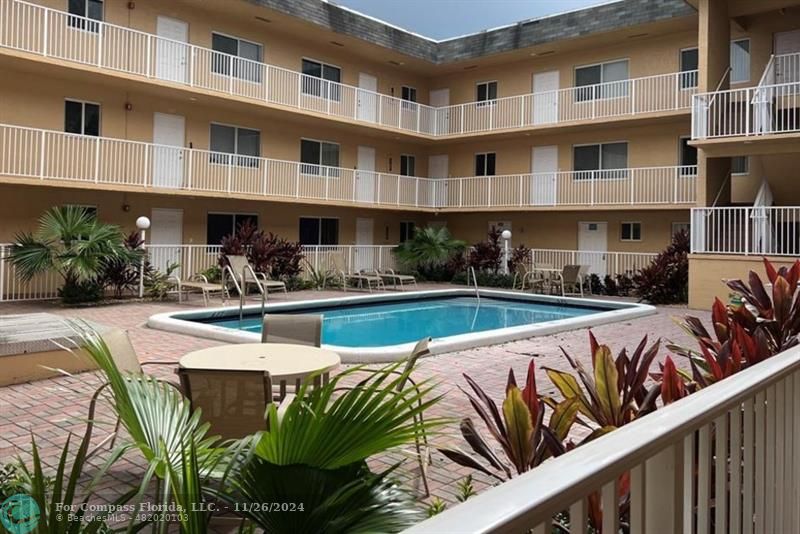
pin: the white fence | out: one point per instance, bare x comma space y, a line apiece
600, 263
773, 231
726, 459
771, 107
193, 259
47, 32
58, 156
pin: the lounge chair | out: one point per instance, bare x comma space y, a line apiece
521, 274
541, 277
244, 274
395, 279
360, 277
199, 282
232, 402
297, 329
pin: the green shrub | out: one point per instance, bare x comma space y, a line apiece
80, 292
666, 279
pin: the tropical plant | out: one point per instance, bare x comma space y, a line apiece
121, 274
487, 255
744, 334
157, 284
485, 279
517, 427
466, 489
520, 255
431, 249
615, 393
71, 242
266, 252
666, 279
317, 277
314, 454
436, 507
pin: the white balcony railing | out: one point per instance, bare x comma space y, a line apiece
725, 459
49, 155
772, 107
192, 259
772, 231
47, 32
601, 263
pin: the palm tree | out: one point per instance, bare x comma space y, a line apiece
73, 243
430, 247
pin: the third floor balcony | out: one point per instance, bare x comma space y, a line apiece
115, 50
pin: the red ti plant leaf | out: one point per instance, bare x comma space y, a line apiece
529, 393
672, 386
719, 316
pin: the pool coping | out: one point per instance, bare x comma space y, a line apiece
180, 322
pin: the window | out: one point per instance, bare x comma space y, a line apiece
587, 80
689, 66
407, 230
408, 165
631, 231
81, 117
486, 93
236, 57
244, 142
84, 13
740, 165
680, 227
319, 157
317, 78
485, 164
688, 158
408, 95
604, 161
740, 60
219, 225
319, 231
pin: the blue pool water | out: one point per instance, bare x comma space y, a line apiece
392, 323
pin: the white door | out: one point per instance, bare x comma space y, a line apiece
787, 70
367, 97
544, 177
545, 97
168, 131
172, 55
593, 246
438, 168
440, 98
365, 252
166, 228
365, 174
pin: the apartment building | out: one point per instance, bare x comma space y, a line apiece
583, 132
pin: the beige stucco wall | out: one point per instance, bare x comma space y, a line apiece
707, 272
24, 204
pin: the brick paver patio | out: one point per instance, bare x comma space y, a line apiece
50, 409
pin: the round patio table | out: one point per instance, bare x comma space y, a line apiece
286, 363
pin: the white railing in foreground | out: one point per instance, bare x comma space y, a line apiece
47, 32
194, 259
52, 155
772, 231
726, 459
600, 263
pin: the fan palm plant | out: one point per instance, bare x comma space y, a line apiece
70, 241
312, 458
430, 247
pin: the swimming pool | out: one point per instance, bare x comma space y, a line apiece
384, 327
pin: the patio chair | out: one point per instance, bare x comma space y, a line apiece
232, 402
303, 329
422, 448
395, 279
244, 274
360, 277
569, 280
124, 356
199, 282
521, 273
541, 277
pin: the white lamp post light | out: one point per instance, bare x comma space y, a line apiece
142, 223
506, 235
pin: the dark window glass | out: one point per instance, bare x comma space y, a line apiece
330, 154
309, 231
485, 164
317, 76
84, 13
409, 94
689, 65
232, 140
407, 230
606, 157
613, 156
218, 225
408, 165
236, 56
490, 164
81, 118
310, 153
740, 165
316, 231
688, 153
631, 232
222, 63
329, 232
486, 91
241, 218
